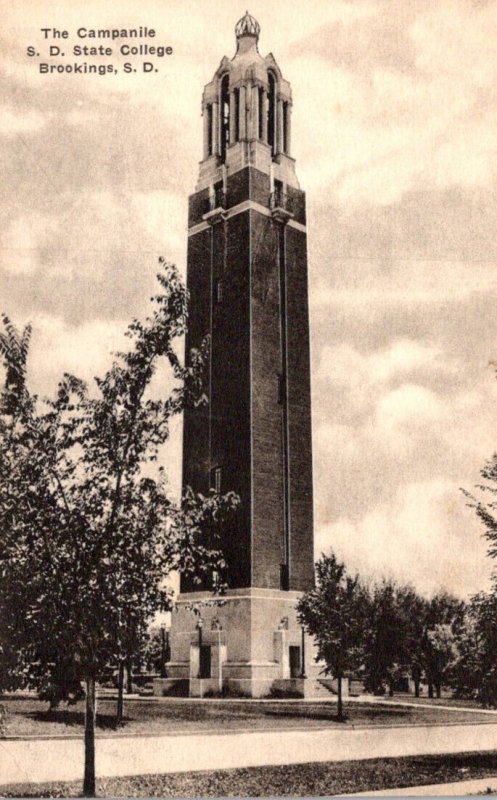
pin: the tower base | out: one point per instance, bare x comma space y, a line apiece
247, 642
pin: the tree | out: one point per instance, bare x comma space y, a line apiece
444, 616
89, 533
383, 638
411, 616
333, 613
474, 672
14, 350
486, 509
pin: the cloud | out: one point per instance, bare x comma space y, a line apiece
417, 537
22, 241
83, 350
408, 407
12, 122
404, 98
163, 214
399, 416
457, 38
344, 365
405, 283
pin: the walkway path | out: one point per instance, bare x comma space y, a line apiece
331, 698
455, 789
40, 760
367, 698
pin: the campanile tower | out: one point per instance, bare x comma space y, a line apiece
247, 278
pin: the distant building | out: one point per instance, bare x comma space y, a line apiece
247, 277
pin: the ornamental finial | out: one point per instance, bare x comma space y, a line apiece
247, 26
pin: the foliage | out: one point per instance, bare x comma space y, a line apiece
474, 673
385, 631
333, 613
486, 508
444, 621
88, 531
383, 637
14, 351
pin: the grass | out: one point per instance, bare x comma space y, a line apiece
27, 716
433, 701
297, 780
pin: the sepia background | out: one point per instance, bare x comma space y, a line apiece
394, 124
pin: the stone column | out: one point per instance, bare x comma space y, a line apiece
281, 654
289, 129
232, 117
206, 131
243, 113
254, 134
279, 126
215, 128
264, 116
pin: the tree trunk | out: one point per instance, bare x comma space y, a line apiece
416, 687
90, 721
430, 689
390, 688
340, 700
120, 694
129, 676
438, 689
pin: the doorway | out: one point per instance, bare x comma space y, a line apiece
205, 661
295, 662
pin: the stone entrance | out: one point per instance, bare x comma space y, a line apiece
246, 643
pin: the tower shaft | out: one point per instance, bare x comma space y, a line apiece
247, 279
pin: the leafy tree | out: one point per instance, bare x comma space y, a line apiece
408, 634
89, 533
333, 613
444, 618
474, 673
486, 508
411, 609
14, 350
383, 638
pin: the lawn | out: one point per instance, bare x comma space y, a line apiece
27, 716
298, 780
432, 701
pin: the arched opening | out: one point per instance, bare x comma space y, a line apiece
237, 114
225, 115
260, 99
286, 113
271, 113
209, 130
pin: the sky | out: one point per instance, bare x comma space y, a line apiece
394, 123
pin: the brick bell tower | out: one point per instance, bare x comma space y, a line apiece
247, 278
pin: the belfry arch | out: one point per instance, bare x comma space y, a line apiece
271, 114
224, 99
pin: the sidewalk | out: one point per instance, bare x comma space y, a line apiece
456, 789
367, 698
39, 761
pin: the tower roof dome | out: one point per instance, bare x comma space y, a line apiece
247, 26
